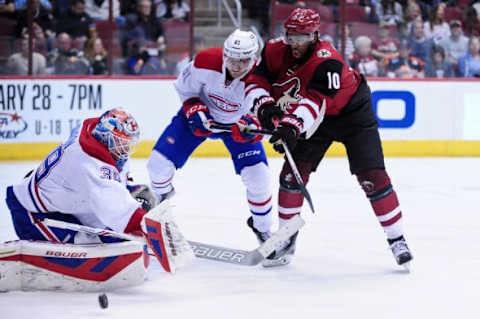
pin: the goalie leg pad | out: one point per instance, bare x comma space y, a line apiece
164, 238
27, 265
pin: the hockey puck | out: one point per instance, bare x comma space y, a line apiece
103, 301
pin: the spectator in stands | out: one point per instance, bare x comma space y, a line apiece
98, 10
17, 63
420, 46
472, 24
405, 66
76, 22
349, 46
363, 60
97, 56
389, 11
140, 62
469, 65
259, 10
7, 9
435, 27
144, 25
127, 7
456, 45
413, 14
199, 45
437, 66
66, 60
172, 10
386, 47
43, 24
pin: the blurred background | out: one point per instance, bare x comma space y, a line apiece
380, 38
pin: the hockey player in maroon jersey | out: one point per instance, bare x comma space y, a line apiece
303, 87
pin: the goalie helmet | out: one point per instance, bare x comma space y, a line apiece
303, 21
239, 52
118, 131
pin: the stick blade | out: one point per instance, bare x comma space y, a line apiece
306, 194
285, 232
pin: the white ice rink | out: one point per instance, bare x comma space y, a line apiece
342, 268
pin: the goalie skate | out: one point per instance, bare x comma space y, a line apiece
401, 252
282, 254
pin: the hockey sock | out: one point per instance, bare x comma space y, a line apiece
290, 198
384, 201
260, 208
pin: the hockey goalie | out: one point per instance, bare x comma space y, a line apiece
83, 182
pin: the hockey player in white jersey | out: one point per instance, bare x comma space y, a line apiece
212, 89
84, 181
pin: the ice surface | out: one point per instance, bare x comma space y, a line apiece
342, 268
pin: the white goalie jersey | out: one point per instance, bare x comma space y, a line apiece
80, 178
205, 78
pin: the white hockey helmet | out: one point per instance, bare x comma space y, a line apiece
240, 46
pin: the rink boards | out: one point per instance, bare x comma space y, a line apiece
417, 118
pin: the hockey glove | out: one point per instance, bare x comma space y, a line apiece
144, 195
288, 130
267, 112
240, 131
198, 117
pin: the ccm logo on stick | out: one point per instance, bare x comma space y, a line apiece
409, 101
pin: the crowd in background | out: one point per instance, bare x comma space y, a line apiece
410, 38
396, 39
67, 39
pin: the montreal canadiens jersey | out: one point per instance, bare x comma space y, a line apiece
80, 178
204, 78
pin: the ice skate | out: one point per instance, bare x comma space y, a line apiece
165, 196
401, 252
261, 237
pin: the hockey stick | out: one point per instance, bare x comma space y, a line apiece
202, 250
293, 166
297, 175
228, 128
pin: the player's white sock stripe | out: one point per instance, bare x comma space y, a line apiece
385, 217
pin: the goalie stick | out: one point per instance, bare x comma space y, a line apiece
293, 166
202, 250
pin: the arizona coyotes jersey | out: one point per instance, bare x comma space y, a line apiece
302, 87
205, 78
80, 178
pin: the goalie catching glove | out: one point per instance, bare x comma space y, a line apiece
198, 117
288, 130
241, 130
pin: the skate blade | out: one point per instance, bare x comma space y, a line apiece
282, 261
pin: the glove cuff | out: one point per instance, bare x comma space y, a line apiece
194, 105
261, 102
292, 121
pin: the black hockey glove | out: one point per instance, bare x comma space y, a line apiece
288, 130
266, 110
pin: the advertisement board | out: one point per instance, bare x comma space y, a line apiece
416, 118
